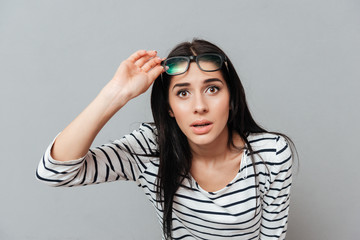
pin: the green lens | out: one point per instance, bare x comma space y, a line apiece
177, 65
209, 62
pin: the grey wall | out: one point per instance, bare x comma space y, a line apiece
298, 60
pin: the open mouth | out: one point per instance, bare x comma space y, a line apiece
201, 125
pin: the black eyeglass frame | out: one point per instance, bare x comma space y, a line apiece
194, 58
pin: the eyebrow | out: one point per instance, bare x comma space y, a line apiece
205, 81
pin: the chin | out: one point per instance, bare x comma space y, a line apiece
216, 136
202, 140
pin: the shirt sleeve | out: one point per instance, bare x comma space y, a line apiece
122, 159
277, 197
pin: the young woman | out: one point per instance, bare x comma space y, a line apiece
210, 171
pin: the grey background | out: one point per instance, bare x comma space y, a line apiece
299, 63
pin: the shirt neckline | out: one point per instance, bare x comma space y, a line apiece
237, 176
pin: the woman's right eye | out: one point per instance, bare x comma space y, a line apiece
182, 93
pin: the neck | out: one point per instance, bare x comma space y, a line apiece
218, 150
212, 152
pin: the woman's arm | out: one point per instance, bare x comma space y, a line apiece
276, 200
123, 159
133, 77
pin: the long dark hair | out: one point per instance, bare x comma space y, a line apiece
174, 151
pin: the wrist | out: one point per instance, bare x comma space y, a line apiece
114, 97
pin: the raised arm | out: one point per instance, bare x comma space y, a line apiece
133, 77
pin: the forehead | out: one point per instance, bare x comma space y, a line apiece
195, 76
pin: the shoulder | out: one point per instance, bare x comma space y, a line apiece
144, 138
145, 130
275, 148
257, 140
273, 155
263, 140
148, 129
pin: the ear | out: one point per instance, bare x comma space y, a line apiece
171, 113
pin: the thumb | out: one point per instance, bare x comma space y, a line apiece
155, 72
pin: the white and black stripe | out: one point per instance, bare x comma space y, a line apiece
244, 209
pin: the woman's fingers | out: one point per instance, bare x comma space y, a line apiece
148, 62
155, 72
144, 59
136, 55
151, 63
141, 56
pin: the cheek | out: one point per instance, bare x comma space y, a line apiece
223, 112
181, 115
177, 106
180, 111
221, 104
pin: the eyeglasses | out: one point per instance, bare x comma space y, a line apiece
207, 62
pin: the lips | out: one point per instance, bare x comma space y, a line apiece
201, 126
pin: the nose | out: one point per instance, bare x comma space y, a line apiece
200, 104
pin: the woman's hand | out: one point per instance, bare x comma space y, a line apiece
134, 76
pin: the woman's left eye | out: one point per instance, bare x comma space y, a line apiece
213, 89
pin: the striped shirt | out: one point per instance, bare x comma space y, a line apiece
252, 206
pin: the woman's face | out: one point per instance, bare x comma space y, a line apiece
199, 102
